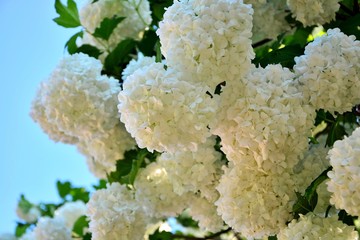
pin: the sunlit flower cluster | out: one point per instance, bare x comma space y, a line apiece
328, 72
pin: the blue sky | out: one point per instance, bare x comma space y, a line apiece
31, 45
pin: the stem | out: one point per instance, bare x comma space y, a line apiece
262, 42
202, 238
356, 7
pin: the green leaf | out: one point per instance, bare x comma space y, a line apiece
89, 50
336, 132
157, 235
285, 56
24, 204
79, 194
119, 54
63, 188
307, 203
101, 185
185, 220
48, 209
70, 45
68, 15
346, 218
107, 26
127, 168
147, 43
79, 225
21, 229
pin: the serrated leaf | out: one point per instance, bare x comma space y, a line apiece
21, 229
107, 27
70, 45
285, 56
68, 15
89, 50
80, 224
119, 54
63, 188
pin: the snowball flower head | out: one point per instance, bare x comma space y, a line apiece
136, 64
312, 12
310, 226
107, 148
328, 73
209, 39
136, 13
77, 99
344, 181
70, 212
155, 193
194, 171
163, 112
51, 229
114, 214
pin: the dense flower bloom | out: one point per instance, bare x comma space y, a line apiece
137, 17
310, 12
77, 100
209, 39
51, 229
328, 72
311, 226
105, 149
206, 214
136, 64
70, 212
114, 214
264, 116
254, 202
154, 192
268, 19
163, 112
194, 171
344, 181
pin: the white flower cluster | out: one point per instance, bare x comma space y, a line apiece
268, 19
328, 73
78, 105
115, 214
312, 12
136, 64
209, 39
106, 149
59, 227
194, 171
163, 112
137, 18
264, 116
344, 181
155, 193
311, 226
70, 212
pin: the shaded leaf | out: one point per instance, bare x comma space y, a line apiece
336, 132
285, 56
187, 221
158, 57
147, 43
346, 218
119, 54
107, 27
68, 15
89, 50
70, 45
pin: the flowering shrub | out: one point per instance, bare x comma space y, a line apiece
205, 119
